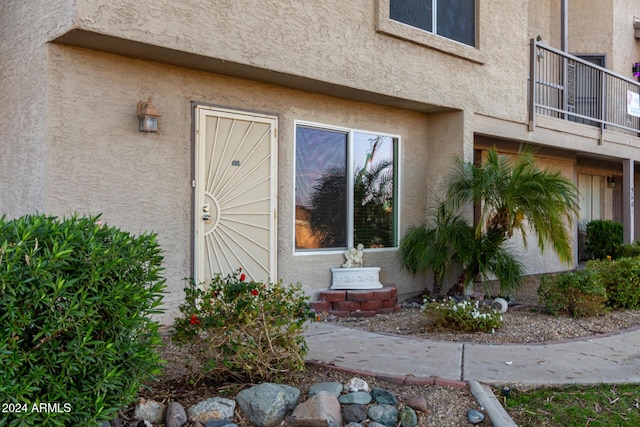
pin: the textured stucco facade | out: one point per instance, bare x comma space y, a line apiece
72, 72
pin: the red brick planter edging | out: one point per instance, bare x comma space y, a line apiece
357, 303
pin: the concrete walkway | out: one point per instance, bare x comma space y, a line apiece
607, 359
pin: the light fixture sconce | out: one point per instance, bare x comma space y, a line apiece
147, 116
611, 182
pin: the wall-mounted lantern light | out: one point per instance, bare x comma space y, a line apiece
611, 182
147, 116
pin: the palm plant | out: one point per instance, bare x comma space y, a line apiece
512, 195
517, 195
436, 246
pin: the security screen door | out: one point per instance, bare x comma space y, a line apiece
235, 194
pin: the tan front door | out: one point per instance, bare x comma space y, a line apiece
235, 199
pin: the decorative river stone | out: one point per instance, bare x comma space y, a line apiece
408, 417
384, 414
357, 397
334, 388
383, 396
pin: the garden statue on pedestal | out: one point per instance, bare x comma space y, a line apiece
353, 275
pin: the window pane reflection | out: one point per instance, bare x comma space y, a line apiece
373, 201
417, 13
321, 183
456, 20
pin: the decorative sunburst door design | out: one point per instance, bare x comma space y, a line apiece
235, 199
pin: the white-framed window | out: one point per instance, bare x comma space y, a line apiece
346, 188
453, 19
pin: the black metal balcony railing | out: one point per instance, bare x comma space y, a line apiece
567, 87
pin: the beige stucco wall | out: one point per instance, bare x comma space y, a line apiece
585, 20
23, 107
336, 43
539, 21
626, 48
97, 161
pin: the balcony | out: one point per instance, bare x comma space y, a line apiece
566, 87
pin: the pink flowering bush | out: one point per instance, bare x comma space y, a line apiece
244, 330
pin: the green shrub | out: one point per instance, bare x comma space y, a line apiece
621, 278
243, 329
575, 293
629, 250
464, 316
75, 301
604, 237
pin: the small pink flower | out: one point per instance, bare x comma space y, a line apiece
194, 320
242, 277
254, 292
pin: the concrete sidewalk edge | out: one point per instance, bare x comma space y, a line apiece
485, 397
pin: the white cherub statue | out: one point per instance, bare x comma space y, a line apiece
354, 256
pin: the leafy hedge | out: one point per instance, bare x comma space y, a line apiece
575, 293
604, 238
75, 327
602, 285
621, 278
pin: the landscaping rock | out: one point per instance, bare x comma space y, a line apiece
356, 384
149, 410
475, 417
383, 414
216, 408
321, 410
266, 405
354, 413
408, 417
418, 403
220, 423
176, 415
383, 396
357, 397
334, 388
354, 425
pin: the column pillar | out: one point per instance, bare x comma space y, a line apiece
628, 217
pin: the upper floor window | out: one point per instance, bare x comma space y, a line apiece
453, 19
346, 188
